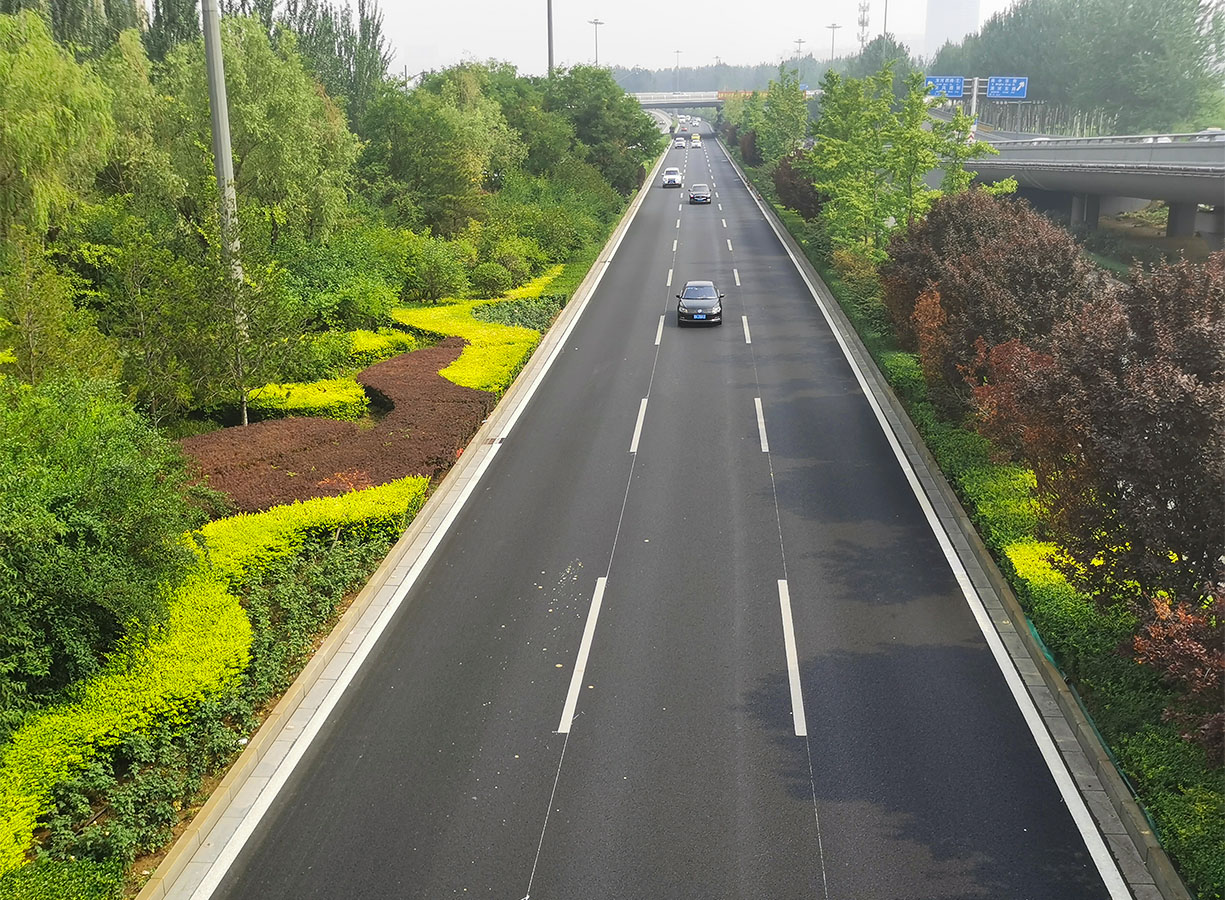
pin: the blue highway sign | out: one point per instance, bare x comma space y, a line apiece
1007, 87
952, 86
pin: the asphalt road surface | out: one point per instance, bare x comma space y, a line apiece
691, 638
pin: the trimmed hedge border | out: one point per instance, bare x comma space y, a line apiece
200, 650
495, 352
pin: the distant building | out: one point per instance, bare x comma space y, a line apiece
949, 20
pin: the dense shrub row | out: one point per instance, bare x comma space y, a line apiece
1158, 404
335, 398
199, 654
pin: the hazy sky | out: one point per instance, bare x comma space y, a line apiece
638, 32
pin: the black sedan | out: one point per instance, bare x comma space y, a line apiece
699, 302
699, 193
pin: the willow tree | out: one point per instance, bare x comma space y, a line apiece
56, 124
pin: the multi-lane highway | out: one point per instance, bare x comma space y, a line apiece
691, 637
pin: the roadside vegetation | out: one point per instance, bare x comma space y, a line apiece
388, 231
1080, 419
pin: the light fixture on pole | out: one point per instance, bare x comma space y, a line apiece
596, 23
799, 42
550, 15
833, 29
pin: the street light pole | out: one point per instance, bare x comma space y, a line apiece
884, 29
223, 167
676, 84
550, 17
597, 23
833, 29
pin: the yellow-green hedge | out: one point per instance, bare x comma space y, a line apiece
495, 353
334, 398
369, 347
201, 648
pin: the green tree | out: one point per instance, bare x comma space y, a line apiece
174, 22
619, 136
84, 24
93, 508
56, 124
784, 118
293, 153
349, 58
41, 324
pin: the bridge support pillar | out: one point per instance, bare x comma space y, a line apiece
1182, 220
1086, 209
1211, 227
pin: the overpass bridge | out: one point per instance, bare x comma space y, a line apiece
682, 99
1087, 174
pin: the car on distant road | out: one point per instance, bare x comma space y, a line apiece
696, 141
699, 193
679, 143
672, 177
700, 302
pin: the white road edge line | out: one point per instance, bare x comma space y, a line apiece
761, 419
642, 411
584, 648
669, 284
659, 332
1077, 807
748, 340
228, 853
736, 275
793, 662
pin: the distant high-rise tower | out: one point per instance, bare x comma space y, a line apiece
949, 20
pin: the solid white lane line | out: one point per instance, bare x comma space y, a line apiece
1073, 799
724, 221
642, 411
659, 332
747, 338
761, 424
669, 284
674, 245
793, 662
584, 648
736, 275
729, 245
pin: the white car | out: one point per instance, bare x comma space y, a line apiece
679, 143
672, 177
696, 142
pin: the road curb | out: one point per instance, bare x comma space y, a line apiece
192, 857
1144, 864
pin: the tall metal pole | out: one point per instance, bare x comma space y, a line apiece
223, 166
884, 29
550, 15
676, 86
597, 23
799, 42
833, 29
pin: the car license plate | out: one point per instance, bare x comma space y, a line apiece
699, 315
